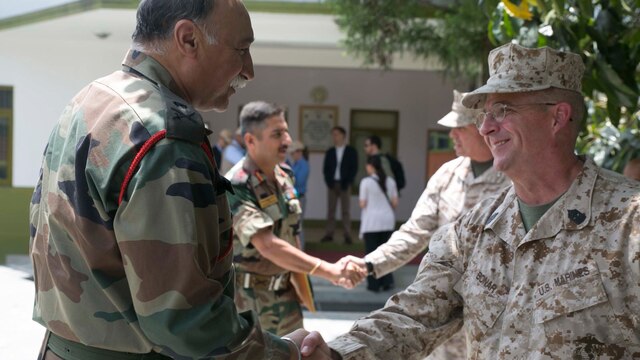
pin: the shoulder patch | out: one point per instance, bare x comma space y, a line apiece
286, 169
183, 122
239, 177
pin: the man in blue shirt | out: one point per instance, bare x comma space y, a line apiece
300, 167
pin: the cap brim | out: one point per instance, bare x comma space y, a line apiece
477, 98
454, 120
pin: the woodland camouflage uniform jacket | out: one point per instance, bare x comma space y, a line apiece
151, 273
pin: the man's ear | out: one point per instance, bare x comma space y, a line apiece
186, 38
561, 115
248, 139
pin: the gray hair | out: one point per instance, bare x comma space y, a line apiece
254, 114
156, 19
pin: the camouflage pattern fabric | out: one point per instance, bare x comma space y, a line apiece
450, 192
150, 274
567, 289
514, 68
279, 312
258, 204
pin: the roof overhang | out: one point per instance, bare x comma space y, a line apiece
300, 34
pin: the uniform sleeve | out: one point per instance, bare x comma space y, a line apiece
248, 219
168, 232
413, 236
418, 319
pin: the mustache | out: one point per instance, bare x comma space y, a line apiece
239, 82
284, 148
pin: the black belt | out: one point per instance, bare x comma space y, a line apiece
71, 350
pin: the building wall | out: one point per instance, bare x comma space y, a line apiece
46, 75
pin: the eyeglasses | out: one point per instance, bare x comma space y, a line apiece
499, 111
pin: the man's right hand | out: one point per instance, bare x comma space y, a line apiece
344, 272
311, 344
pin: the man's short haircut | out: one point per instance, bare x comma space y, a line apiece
576, 100
340, 129
375, 140
254, 115
156, 19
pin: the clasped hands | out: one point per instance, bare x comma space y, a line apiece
350, 271
311, 346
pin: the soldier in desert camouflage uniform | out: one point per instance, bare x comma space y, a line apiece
549, 269
456, 187
266, 214
141, 268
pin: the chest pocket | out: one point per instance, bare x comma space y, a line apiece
483, 305
579, 316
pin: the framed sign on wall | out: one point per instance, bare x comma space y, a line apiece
316, 122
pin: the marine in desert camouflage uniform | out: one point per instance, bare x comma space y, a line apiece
147, 275
266, 213
454, 189
550, 268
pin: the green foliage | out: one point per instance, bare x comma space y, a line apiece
607, 36
606, 33
378, 29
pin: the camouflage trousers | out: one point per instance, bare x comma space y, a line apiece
453, 349
279, 312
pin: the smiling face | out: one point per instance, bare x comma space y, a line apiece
522, 138
269, 145
222, 65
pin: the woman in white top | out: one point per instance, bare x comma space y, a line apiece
378, 199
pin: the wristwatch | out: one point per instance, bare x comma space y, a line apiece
370, 270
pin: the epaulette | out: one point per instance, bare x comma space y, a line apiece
286, 169
239, 177
182, 121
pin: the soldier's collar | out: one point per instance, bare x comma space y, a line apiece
574, 208
149, 68
252, 168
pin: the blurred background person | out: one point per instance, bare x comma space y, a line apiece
299, 162
378, 200
224, 139
233, 153
392, 166
339, 168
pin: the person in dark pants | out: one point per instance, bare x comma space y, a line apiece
378, 200
339, 168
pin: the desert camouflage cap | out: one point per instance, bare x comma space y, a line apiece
459, 115
514, 68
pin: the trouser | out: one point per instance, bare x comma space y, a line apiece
279, 311
336, 193
55, 347
371, 242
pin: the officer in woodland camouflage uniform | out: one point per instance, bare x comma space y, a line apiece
266, 214
141, 268
454, 189
549, 269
